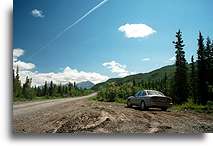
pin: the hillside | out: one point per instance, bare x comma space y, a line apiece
150, 76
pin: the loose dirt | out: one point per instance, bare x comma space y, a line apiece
87, 116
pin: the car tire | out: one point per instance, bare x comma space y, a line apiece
143, 106
129, 103
164, 108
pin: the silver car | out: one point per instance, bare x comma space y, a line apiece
149, 98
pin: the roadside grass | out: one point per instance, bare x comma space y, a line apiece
120, 100
190, 106
94, 98
42, 98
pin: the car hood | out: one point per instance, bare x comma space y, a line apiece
130, 97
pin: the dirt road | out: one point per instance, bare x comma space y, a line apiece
80, 115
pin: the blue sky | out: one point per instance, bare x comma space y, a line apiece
96, 44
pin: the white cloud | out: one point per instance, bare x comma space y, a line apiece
66, 75
136, 30
146, 59
37, 13
172, 58
117, 68
17, 53
23, 65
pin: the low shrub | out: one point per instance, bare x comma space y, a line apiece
190, 106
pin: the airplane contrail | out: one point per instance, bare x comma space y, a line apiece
70, 26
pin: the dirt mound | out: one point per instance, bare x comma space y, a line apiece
89, 120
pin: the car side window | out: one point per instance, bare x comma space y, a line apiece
137, 94
142, 94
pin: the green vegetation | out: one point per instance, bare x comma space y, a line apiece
50, 90
119, 92
191, 106
117, 100
180, 81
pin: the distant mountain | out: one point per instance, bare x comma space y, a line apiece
85, 84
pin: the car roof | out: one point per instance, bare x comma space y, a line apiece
149, 90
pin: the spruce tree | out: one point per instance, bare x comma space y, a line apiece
165, 86
193, 81
60, 91
27, 90
38, 91
17, 84
70, 88
211, 73
45, 89
207, 53
181, 86
51, 89
211, 64
74, 85
202, 73
14, 88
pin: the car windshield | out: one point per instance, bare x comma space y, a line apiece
153, 92
137, 94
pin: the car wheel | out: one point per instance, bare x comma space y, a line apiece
164, 109
143, 105
129, 103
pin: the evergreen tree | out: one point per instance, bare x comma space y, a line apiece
38, 91
211, 73
134, 83
55, 89
60, 91
207, 55
165, 86
17, 84
14, 88
27, 90
193, 81
181, 86
201, 66
211, 64
51, 89
70, 88
45, 89
74, 85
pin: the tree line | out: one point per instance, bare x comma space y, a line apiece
198, 84
192, 81
47, 90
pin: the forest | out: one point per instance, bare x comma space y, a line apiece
189, 82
